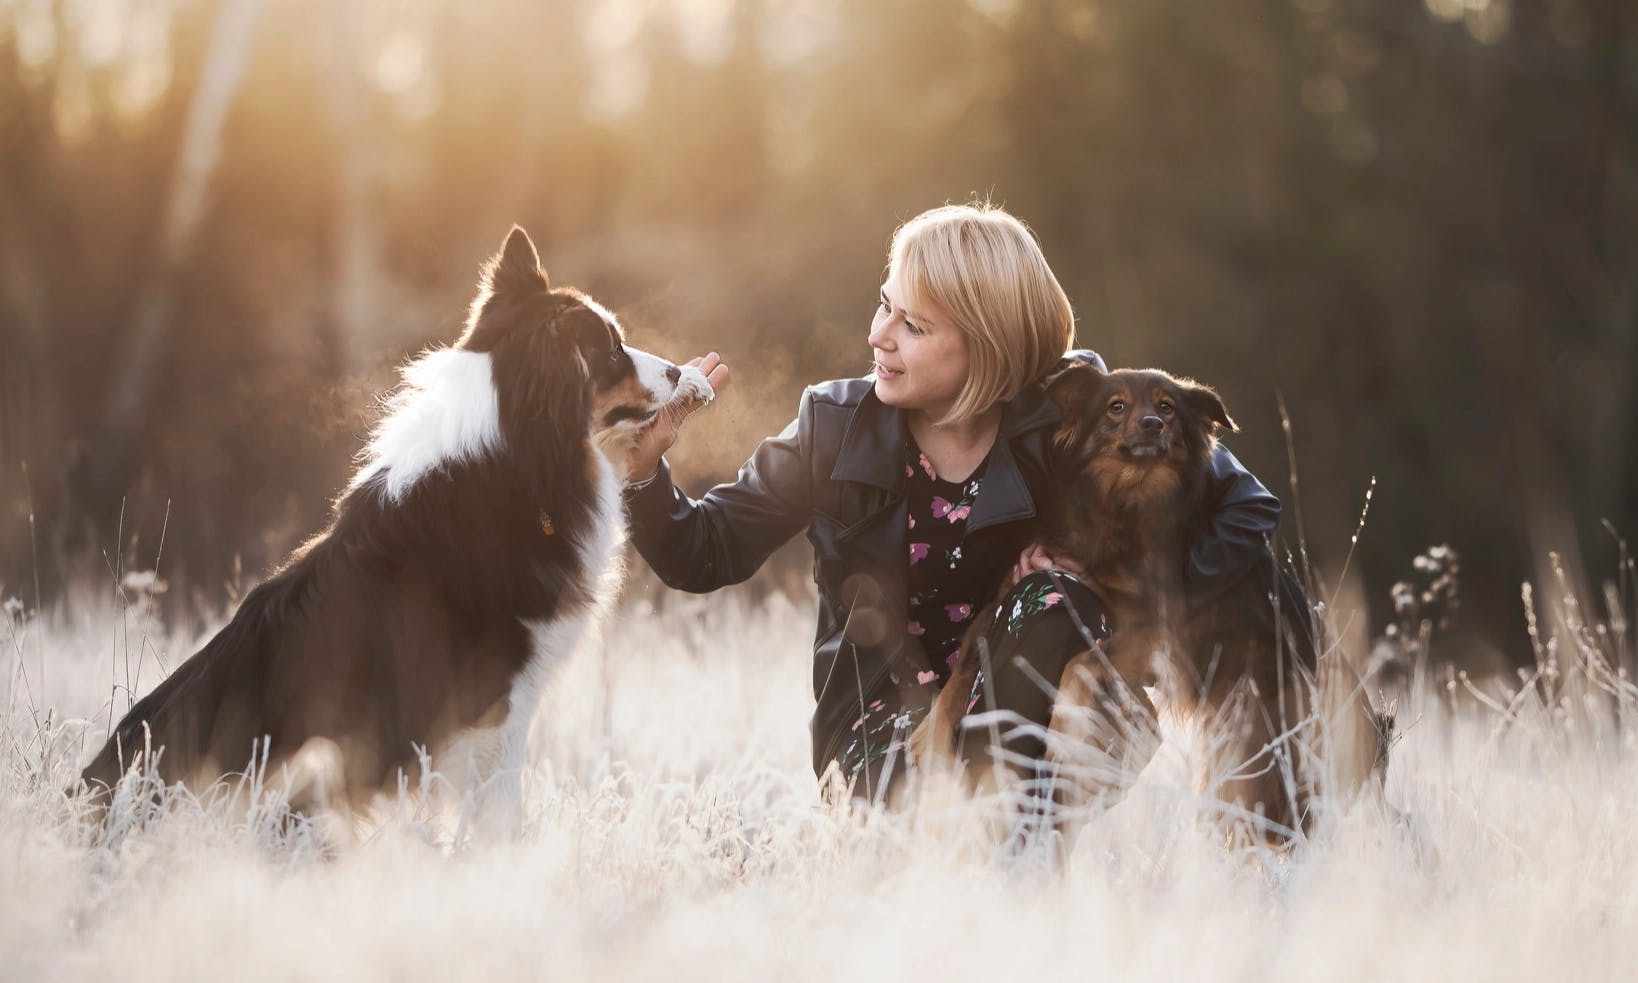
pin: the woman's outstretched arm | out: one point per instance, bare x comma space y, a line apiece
723, 537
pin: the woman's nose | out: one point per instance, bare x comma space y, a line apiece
880, 337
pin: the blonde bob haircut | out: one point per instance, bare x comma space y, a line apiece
983, 270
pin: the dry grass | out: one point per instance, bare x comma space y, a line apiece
677, 834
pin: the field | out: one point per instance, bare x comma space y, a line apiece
676, 833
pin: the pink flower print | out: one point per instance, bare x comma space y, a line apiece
912, 521
958, 612
909, 472
959, 512
926, 677
918, 552
877, 704
857, 724
1051, 599
941, 508
927, 466
916, 629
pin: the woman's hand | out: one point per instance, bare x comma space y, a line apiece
662, 433
1036, 557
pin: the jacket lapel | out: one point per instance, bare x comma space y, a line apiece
1005, 495
874, 545
872, 451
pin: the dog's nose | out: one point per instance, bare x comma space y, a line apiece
1152, 424
672, 374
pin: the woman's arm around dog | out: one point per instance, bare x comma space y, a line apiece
1240, 516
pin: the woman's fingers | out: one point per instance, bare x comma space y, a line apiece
715, 370
718, 377
1036, 558
1063, 562
661, 435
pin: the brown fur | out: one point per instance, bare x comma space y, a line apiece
408, 622
1137, 445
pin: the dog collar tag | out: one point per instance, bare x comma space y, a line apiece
546, 525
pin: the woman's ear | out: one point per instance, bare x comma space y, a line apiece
1203, 401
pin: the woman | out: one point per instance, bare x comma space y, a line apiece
920, 489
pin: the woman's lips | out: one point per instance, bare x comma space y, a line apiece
883, 372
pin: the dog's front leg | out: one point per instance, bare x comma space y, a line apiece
1103, 732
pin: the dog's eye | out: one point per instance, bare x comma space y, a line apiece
1166, 407
1117, 407
614, 355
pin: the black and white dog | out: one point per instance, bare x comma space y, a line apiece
477, 542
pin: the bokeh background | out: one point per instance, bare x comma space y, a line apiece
1415, 222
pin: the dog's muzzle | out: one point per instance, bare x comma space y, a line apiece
1145, 449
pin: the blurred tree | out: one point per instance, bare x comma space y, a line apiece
1413, 219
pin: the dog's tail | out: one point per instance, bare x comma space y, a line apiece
204, 715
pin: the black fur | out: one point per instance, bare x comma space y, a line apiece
401, 624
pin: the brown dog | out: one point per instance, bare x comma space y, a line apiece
1137, 445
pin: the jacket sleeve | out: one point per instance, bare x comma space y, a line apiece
725, 536
1241, 515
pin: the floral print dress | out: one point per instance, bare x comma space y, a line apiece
942, 603
1042, 621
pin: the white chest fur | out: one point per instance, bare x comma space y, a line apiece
554, 642
489, 767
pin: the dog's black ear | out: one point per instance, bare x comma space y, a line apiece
516, 266
1203, 401
1073, 387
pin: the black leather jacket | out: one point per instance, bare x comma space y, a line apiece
838, 471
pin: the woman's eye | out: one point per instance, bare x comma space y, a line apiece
913, 329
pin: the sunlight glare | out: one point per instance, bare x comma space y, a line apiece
613, 24
400, 61
36, 38
100, 26
1487, 21
142, 83
1000, 11
1446, 10
144, 74
619, 79
703, 28
792, 33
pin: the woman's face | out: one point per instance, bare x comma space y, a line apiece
921, 358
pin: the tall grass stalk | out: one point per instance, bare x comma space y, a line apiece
675, 832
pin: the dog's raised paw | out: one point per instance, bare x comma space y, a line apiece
693, 389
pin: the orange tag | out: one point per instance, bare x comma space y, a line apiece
546, 525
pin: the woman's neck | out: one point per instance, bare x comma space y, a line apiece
955, 449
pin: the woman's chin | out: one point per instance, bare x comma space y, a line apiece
891, 395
